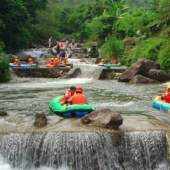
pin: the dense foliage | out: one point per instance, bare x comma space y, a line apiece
23, 22
4, 69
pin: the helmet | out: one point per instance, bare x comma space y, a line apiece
79, 89
168, 86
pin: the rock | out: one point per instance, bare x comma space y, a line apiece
40, 120
104, 118
158, 75
141, 79
3, 113
141, 67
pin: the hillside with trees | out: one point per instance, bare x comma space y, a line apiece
134, 29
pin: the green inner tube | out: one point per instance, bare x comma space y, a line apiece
59, 109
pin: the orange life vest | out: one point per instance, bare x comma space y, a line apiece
57, 61
115, 61
15, 62
52, 62
30, 62
66, 96
166, 93
78, 98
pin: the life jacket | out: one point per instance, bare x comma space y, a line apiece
102, 61
166, 96
30, 62
66, 96
167, 99
78, 98
15, 62
115, 61
57, 61
52, 62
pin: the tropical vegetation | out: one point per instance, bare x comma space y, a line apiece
146, 23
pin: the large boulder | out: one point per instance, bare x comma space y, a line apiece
141, 67
104, 118
139, 79
158, 75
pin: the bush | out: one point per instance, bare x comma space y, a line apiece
112, 48
148, 49
4, 69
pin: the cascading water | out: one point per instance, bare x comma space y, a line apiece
39, 53
86, 150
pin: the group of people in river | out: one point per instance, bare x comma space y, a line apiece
113, 61
74, 95
60, 57
16, 61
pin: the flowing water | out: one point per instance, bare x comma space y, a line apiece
26, 96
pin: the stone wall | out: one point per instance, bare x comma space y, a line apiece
41, 72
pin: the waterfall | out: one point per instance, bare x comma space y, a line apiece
39, 53
89, 71
86, 150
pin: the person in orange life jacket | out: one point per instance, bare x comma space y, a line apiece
102, 61
115, 61
78, 97
16, 61
68, 94
30, 61
52, 62
57, 61
166, 94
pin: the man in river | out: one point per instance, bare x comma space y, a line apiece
68, 94
78, 97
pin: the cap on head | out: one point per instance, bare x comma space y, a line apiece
168, 86
79, 89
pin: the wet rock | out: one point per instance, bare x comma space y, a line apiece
104, 118
3, 113
141, 67
40, 120
158, 75
141, 79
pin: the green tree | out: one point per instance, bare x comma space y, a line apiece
4, 69
112, 48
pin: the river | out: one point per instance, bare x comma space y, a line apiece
26, 96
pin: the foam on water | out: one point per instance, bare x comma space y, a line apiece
51, 84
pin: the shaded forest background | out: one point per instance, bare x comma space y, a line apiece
134, 29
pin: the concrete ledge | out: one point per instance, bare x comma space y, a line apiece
41, 72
